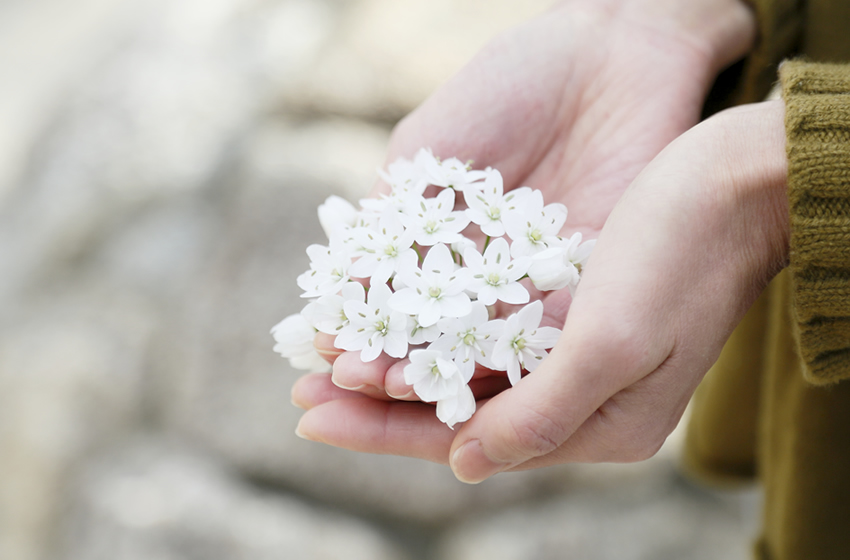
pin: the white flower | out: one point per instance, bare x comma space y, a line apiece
405, 176
532, 227
417, 334
469, 339
578, 253
434, 292
559, 267
433, 377
495, 275
327, 314
336, 215
328, 270
456, 408
373, 327
461, 245
294, 340
451, 173
550, 270
488, 206
524, 342
432, 220
383, 251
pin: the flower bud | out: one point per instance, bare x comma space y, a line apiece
550, 270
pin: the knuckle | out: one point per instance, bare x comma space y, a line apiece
537, 434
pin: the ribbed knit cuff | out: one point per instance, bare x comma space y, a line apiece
817, 122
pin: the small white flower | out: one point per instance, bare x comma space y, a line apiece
336, 215
488, 206
434, 292
405, 176
495, 275
550, 270
327, 314
294, 340
451, 173
560, 266
457, 408
578, 253
461, 245
417, 334
383, 251
433, 377
469, 339
432, 220
373, 327
524, 342
533, 227
328, 271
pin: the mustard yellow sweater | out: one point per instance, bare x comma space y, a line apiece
776, 406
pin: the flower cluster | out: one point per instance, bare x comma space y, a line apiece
402, 276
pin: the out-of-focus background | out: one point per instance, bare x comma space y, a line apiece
160, 166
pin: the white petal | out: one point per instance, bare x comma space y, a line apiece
408, 301
513, 293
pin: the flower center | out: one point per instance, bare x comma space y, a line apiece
518, 344
435, 371
469, 339
434, 292
382, 327
431, 226
390, 251
493, 279
535, 236
494, 212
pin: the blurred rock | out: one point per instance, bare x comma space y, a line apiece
70, 383
155, 502
656, 517
387, 56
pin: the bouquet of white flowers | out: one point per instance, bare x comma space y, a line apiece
429, 288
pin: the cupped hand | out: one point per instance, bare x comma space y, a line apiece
575, 103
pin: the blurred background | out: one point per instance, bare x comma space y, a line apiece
160, 166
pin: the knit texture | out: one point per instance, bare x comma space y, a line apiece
817, 122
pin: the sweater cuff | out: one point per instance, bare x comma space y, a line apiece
817, 122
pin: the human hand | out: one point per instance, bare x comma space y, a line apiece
575, 103
684, 254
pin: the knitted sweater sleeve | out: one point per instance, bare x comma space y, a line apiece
817, 122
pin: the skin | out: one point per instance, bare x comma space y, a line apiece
594, 103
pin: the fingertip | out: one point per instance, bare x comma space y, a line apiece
324, 345
353, 374
395, 384
471, 464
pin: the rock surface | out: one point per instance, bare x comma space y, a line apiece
152, 502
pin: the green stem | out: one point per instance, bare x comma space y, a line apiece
486, 243
418, 254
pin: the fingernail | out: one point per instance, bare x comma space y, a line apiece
407, 395
471, 465
301, 434
295, 403
341, 386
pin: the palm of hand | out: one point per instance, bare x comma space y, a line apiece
573, 103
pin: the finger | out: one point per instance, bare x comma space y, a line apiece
317, 388
370, 426
324, 345
351, 373
395, 384
630, 426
